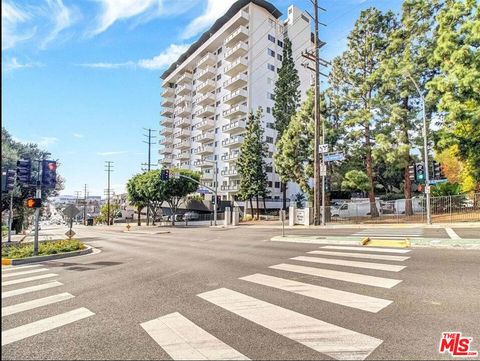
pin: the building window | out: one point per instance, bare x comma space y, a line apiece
194, 71
280, 43
279, 57
216, 130
269, 169
270, 125
271, 38
219, 76
194, 82
270, 154
271, 52
217, 103
219, 51
270, 184
269, 95
271, 67
216, 144
269, 110
277, 184
219, 90
217, 116
269, 140
219, 64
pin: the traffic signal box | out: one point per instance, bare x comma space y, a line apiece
34, 202
24, 171
49, 173
420, 172
164, 174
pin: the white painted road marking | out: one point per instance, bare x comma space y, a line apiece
349, 299
184, 340
47, 324
334, 341
368, 249
22, 291
451, 233
28, 279
338, 275
361, 255
18, 268
25, 306
14, 274
341, 262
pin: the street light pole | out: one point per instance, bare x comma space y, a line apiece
215, 175
425, 149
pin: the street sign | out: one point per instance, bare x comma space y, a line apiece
427, 189
323, 170
436, 181
332, 157
71, 211
323, 148
70, 233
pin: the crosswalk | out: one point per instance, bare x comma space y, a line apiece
18, 276
182, 339
390, 233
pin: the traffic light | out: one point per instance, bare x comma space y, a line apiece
327, 184
165, 174
49, 173
34, 202
420, 172
411, 172
24, 171
437, 170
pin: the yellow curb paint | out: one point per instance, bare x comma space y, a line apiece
6, 262
388, 243
365, 241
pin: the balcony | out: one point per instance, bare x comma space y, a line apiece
166, 131
205, 124
181, 101
206, 99
166, 122
184, 89
207, 175
166, 112
206, 86
182, 134
167, 102
167, 141
183, 112
182, 123
237, 51
183, 155
230, 172
168, 93
203, 163
166, 159
208, 60
185, 78
205, 137
185, 144
235, 126
236, 67
205, 112
238, 81
205, 74
237, 96
231, 157
229, 187
206, 149
235, 112
165, 150
232, 141
240, 34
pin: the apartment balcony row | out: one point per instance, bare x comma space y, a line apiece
182, 134
182, 100
205, 74
237, 96
184, 89
231, 157
166, 122
182, 144
236, 67
166, 112
166, 159
206, 86
230, 172
183, 155
204, 112
233, 141
166, 131
235, 126
207, 60
206, 149
167, 141
235, 112
230, 187
182, 123
208, 175
237, 51
182, 112
165, 150
185, 78
205, 99
238, 81
204, 163
205, 137
167, 93
168, 102
205, 124
239, 34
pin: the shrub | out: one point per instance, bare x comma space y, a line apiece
44, 248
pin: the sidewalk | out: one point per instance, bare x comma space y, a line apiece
277, 224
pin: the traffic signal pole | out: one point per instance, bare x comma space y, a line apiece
10, 211
38, 194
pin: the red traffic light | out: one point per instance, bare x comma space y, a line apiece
52, 166
34, 202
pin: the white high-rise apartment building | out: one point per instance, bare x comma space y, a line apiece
209, 91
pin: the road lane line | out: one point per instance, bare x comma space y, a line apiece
19, 268
361, 255
184, 340
451, 233
22, 291
349, 299
341, 262
28, 279
25, 306
367, 249
46, 324
14, 274
338, 275
334, 341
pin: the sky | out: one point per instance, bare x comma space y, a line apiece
81, 78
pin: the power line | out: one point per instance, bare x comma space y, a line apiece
108, 169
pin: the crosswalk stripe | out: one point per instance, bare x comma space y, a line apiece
367, 249
14, 274
28, 279
334, 341
19, 268
46, 324
361, 255
342, 262
184, 340
349, 299
22, 291
25, 306
339, 275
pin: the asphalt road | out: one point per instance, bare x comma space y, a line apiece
194, 274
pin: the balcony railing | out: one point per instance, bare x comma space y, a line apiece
202, 163
230, 157
183, 111
185, 78
182, 123
237, 96
184, 133
236, 67
185, 144
205, 99
166, 150
208, 59
229, 187
166, 111
205, 137
237, 111
233, 141
166, 141
184, 89
206, 149
229, 172
205, 74
167, 92
235, 82
205, 112
205, 124
206, 86
237, 51
240, 34
165, 122
235, 126
166, 131
168, 102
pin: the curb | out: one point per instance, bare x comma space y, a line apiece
13, 262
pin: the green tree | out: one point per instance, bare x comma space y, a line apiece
251, 164
153, 191
457, 86
287, 99
136, 196
103, 216
356, 180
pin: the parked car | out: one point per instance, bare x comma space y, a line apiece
191, 216
352, 209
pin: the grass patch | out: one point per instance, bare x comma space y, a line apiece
4, 231
44, 248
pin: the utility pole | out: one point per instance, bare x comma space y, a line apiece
85, 206
77, 193
150, 137
108, 169
319, 163
10, 211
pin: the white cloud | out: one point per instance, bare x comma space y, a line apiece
14, 64
103, 154
213, 10
165, 58
63, 17
78, 135
12, 16
102, 65
46, 141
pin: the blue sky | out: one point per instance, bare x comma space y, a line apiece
81, 77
